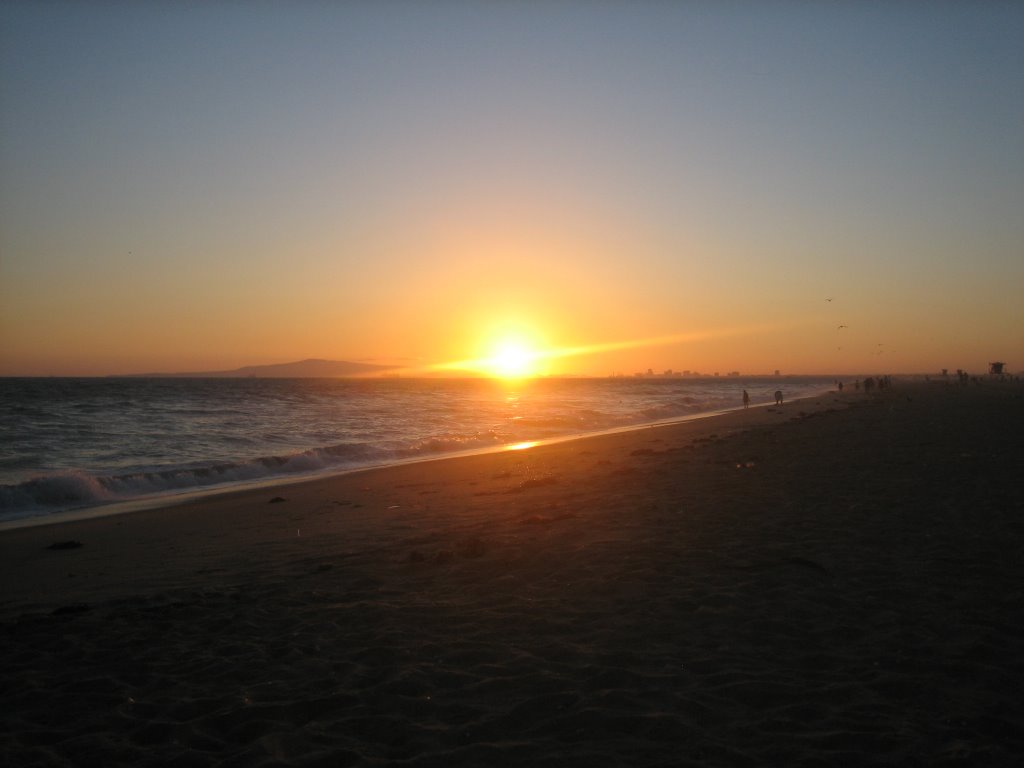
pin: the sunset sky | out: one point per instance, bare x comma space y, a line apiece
706, 186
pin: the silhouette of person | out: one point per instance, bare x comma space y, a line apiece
746, 399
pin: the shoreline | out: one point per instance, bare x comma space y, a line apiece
832, 581
174, 498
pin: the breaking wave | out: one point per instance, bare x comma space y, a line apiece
71, 489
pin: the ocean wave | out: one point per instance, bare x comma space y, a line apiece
71, 489
52, 492
685, 406
453, 443
562, 424
190, 435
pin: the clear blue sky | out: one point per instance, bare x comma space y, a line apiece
189, 185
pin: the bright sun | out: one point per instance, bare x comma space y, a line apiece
512, 359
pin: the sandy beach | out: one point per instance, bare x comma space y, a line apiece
835, 581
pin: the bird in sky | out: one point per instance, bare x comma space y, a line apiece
841, 327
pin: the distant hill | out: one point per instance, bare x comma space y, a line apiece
303, 369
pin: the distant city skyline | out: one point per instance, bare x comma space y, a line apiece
320, 368
565, 188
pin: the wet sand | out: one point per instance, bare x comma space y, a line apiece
836, 581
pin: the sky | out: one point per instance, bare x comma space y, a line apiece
705, 186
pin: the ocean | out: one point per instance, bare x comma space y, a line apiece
71, 443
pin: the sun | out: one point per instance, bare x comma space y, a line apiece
513, 359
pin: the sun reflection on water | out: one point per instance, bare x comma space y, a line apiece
521, 446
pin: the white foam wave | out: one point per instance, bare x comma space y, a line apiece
65, 490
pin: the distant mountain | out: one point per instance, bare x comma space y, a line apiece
303, 369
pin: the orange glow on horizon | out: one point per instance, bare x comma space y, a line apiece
514, 356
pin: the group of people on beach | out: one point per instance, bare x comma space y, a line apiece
882, 383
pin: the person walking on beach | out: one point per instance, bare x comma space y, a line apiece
778, 397
746, 399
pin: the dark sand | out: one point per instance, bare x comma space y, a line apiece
831, 582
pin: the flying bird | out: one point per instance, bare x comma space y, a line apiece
841, 327
828, 299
